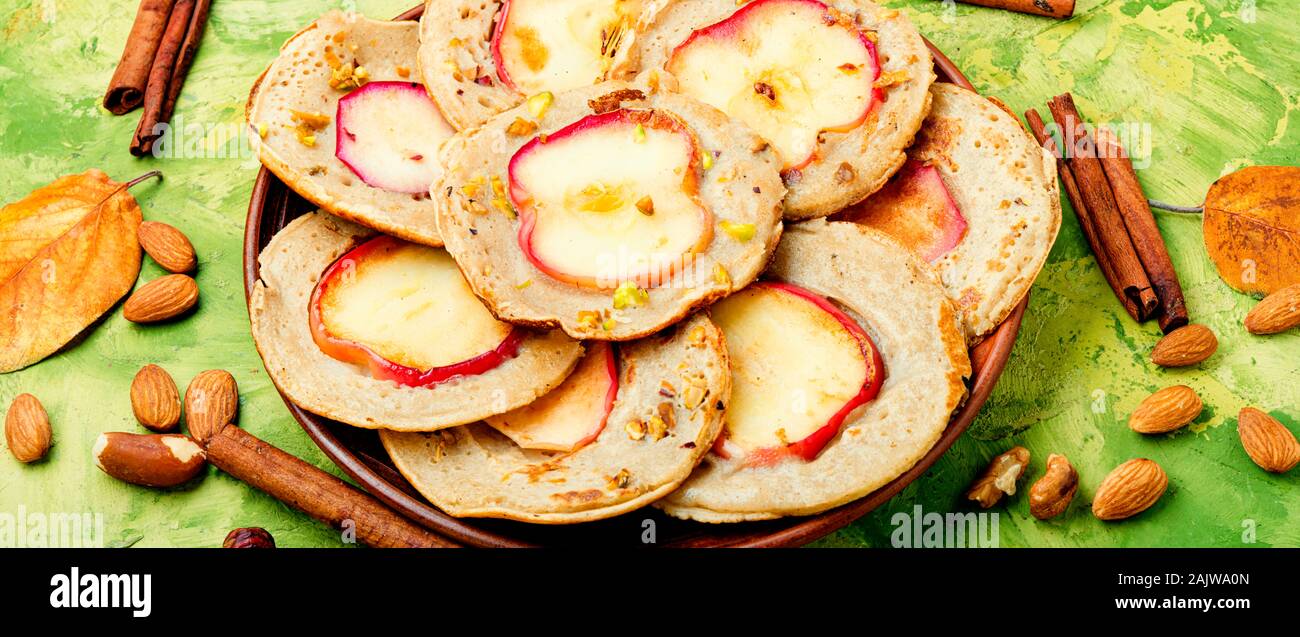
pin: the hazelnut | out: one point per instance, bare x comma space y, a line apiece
249, 538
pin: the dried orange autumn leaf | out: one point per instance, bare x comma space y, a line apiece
1252, 228
68, 252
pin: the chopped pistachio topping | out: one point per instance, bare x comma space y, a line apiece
741, 232
310, 121
638, 134
629, 295
348, 76
306, 139
503, 206
721, 276
263, 130
646, 205
538, 104
891, 78
523, 284
706, 160
588, 319
521, 127
657, 428
620, 480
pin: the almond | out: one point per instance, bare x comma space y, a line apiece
27, 429
1268, 442
161, 299
1129, 490
1184, 346
1166, 410
211, 402
154, 399
1278, 312
168, 246
149, 460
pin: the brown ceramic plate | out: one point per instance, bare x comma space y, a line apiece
360, 455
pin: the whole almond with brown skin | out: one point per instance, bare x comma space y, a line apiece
1268, 442
149, 460
161, 299
155, 400
27, 429
1166, 410
1129, 490
1278, 312
168, 246
1187, 345
1051, 494
211, 402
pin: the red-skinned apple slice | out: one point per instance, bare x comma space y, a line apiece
799, 365
388, 135
571, 415
544, 45
790, 69
405, 312
916, 208
624, 208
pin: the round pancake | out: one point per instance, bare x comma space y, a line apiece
1005, 185
742, 186
849, 165
474, 471
299, 80
289, 269
903, 308
455, 51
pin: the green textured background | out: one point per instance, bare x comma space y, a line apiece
1217, 81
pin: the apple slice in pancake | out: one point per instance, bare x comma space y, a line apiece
388, 135
790, 69
916, 208
799, 367
545, 45
404, 311
612, 197
572, 414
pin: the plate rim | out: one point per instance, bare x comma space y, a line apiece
989, 358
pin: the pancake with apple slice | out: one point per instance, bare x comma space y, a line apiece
838, 87
978, 199
622, 431
613, 215
340, 117
481, 58
380, 333
847, 362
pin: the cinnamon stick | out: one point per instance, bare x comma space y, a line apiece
189, 48
1095, 191
1059, 9
1142, 228
155, 93
314, 492
1039, 129
126, 89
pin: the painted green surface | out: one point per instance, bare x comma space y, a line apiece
1216, 81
